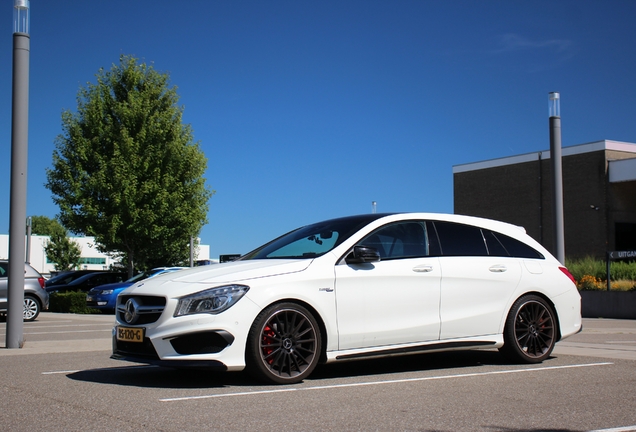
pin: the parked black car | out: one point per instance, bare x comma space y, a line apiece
66, 277
88, 281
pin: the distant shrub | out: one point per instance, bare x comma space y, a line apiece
619, 270
587, 266
623, 270
588, 282
70, 302
623, 285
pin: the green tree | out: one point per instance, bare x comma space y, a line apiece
126, 170
64, 252
42, 225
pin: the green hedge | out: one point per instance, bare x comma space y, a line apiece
619, 270
70, 302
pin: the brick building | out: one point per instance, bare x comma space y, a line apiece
599, 195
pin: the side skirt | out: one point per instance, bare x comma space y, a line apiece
443, 346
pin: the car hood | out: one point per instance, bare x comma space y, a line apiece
185, 281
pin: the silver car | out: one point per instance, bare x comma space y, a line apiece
36, 299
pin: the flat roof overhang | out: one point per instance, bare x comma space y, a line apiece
545, 155
622, 170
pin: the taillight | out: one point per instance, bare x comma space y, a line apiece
41, 282
568, 274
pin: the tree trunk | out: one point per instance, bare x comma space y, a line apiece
131, 265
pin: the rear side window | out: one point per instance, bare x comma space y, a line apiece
467, 240
516, 248
460, 240
495, 248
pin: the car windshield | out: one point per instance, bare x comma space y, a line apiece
151, 273
139, 276
312, 241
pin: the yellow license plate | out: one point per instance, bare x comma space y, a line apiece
130, 334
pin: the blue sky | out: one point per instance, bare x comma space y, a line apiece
312, 110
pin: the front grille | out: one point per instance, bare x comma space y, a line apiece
149, 308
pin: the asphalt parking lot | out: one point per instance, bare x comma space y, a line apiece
63, 379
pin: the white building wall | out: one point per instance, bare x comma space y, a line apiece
202, 252
101, 261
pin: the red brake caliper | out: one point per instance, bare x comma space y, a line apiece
268, 336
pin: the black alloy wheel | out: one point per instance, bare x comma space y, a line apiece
530, 333
283, 344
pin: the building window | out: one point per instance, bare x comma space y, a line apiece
625, 236
92, 261
95, 261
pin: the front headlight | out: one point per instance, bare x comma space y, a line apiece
107, 292
212, 301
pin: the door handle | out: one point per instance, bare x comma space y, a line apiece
498, 268
423, 269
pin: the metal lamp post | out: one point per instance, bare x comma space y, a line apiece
19, 152
557, 175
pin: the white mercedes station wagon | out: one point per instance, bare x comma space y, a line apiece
353, 288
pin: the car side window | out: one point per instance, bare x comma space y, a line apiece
465, 240
399, 240
495, 248
460, 240
4, 269
98, 280
515, 248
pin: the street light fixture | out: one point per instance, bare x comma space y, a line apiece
21, 16
554, 107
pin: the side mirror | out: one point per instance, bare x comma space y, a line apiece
362, 254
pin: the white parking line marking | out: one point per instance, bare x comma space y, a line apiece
618, 429
46, 324
74, 325
67, 332
336, 386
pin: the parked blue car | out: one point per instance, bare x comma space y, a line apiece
104, 297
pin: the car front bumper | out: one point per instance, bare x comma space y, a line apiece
201, 340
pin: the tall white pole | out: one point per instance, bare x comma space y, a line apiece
557, 175
19, 152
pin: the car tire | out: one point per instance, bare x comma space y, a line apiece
530, 332
31, 308
283, 345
